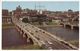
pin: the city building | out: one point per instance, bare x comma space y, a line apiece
17, 12
6, 17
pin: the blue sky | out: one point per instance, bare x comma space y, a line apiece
54, 5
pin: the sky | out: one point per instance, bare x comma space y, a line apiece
48, 5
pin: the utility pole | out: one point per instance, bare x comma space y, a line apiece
40, 8
35, 5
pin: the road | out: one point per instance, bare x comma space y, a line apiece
49, 41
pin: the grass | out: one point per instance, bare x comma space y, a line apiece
74, 42
4, 26
51, 23
35, 23
24, 47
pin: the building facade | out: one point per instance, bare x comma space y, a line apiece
6, 17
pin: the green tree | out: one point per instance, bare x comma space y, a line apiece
25, 20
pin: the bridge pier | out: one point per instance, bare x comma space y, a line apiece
72, 27
34, 42
24, 36
17, 28
21, 32
29, 39
64, 25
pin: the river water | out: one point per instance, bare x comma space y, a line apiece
65, 33
11, 37
62, 32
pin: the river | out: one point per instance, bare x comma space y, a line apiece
11, 37
66, 33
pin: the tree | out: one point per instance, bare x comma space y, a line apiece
25, 20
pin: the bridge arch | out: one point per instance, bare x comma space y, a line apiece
31, 41
67, 26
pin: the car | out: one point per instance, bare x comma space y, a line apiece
36, 31
49, 42
40, 30
37, 38
50, 47
42, 42
32, 33
43, 32
32, 26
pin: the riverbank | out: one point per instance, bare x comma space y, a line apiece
6, 26
74, 42
24, 47
48, 25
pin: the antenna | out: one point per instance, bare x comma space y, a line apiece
35, 6
40, 6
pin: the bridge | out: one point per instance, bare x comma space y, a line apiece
35, 35
71, 24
